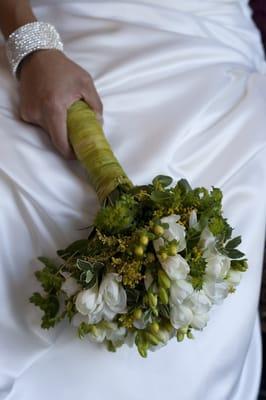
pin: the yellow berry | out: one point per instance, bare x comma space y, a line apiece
154, 327
144, 240
172, 250
137, 313
139, 251
158, 230
164, 256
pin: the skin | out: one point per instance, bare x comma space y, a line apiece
49, 82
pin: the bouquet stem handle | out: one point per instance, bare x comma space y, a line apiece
94, 152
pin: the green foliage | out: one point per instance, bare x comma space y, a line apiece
50, 306
120, 217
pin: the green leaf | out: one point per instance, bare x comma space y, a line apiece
50, 306
77, 247
49, 280
162, 180
235, 254
50, 265
160, 197
184, 185
89, 276
232, 244
164, 310
84, 265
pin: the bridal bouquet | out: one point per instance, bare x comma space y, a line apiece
156, 259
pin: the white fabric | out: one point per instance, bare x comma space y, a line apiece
184, 90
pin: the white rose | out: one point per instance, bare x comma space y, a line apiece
198, 302
112, 296
217, 266
86, 301
179, 291
216, 291
199, 321
180, 315
175, 231
176, 267
70, 286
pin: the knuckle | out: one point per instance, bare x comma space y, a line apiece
51, 102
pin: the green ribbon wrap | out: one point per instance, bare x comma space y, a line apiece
94, 152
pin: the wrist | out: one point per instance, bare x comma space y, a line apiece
13, 14
30, 38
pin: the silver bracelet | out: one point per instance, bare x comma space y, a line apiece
28, 38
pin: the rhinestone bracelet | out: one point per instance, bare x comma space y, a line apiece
28, 38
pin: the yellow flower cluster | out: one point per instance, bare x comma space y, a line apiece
129, 270
127, 320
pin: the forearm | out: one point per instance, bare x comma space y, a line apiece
13, 14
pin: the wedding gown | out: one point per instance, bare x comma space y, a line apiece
183, 85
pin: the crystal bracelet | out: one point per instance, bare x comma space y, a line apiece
28, 38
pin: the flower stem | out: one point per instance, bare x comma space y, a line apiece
94, 152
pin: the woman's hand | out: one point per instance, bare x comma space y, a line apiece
49, 83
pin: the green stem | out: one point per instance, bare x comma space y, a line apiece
93, 150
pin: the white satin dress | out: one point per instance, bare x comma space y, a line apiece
183, 84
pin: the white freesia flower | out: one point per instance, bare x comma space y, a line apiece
86, 301
175, 231
217, 266
70, 286
198, 302
180, 315
112, 296
176, 267
199, 321
216, 291
233, 278
207, 243
180, 290
116, 334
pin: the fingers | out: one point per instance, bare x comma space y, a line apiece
57, 128
90, 95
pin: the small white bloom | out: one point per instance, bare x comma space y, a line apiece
233, 278
216, 291
180, 315
199, 321
86, 301
217, 266
176, 267
98, 334
116, 334
207, 243
193, 221
148, 279
180, 290
70, 286
175, 231
198, 302
112, 296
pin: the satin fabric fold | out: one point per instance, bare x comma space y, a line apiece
184, 93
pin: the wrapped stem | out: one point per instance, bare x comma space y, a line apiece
93, 150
